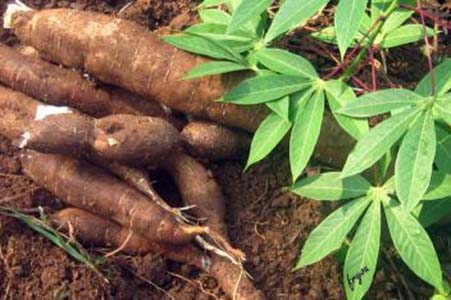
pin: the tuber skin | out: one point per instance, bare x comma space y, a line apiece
99, 231
213, 141
102, 232
62, 87
88, 187
122, 138
125, 54
198, 187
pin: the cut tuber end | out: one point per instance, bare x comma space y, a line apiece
11, 9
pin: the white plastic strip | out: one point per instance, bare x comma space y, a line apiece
43, 111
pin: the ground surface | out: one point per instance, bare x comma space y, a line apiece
268, 224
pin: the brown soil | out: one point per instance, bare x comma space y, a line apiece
268, 224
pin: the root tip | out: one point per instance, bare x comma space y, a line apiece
11, 9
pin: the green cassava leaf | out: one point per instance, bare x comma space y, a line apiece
434, 211
443, 108
266, 88
361, 259
209, 3
326, 35
338, 96
281, 107
405, 35
440, 186
213, 68
214, 16
203, 46
348, 18
378, 8
380, 102
291, 14
284, 62
330, 187
239, 42
305, 133
443, 80
329, 235
413, 166
245, 11
413, 244
395, 20
365, 25
377, 142
268, 135
443, 154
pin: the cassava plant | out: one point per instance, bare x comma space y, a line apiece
408, 152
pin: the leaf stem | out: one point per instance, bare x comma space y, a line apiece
428, 48
372, 34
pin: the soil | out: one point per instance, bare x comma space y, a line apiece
266, 222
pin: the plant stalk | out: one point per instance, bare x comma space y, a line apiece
375, 30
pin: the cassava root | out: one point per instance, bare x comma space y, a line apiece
94, 229
214, 141
87, 187
122, 138
125, 54
62, 87
102, 232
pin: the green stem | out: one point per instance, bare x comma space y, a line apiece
375, 30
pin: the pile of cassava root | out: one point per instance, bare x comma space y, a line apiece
91, 147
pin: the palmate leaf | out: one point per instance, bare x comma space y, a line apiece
305, 132
330, 187
281, 107
380, 102
413, 166
443, 155
245, 11
442, 83
270, 132
361, 259
440, 186
377, 142
213, 68
291, 14
266, 88
330, 234
348, 18
284, 62
405, 35
338, 96
413, 244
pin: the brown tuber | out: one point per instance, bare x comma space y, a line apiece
85, 186
198, 187
62, 87
102, 232
214, 141
125, 54
50, 129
